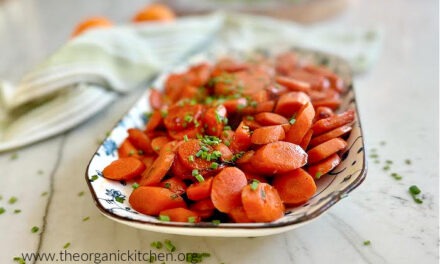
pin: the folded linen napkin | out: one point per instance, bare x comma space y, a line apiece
90, 71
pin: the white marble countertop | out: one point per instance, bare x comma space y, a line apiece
398, 102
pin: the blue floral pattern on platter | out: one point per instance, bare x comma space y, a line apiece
111, 196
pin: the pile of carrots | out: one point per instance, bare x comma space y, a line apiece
237, 141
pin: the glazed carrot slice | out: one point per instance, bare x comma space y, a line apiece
252, 124
225, 151
181, 215
326, 149
147, 160
295, 187
174, 184
187, 133
140, 140
323, 167
174, 85
301, 125
238, 215
270, 119
306, 139
290, 103
317, 82
234, 105
182, 117
332, 103
251, 176
154, 121
126, 149
337, 132
198, 75
156, 99
262, 204
242, 138
336, 82
204, 208
244, 163
158, 143
293, 84
93, 22
267, 134
154, 12
152, 200
278, 157
158, 169
323, 112
123, 169
226, 189
333, 122
246, 157
181, 171
214, 120
199, 190
171, 146
285, 63
190, 149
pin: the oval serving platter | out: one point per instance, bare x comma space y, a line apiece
111, 197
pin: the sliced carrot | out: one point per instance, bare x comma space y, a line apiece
251, 176
152, 200
181, 215
93, 22
198, 75
337, 132
242, 138
181, 117
290, 103
249, 82
293, 84
199, 190
225, 151
147, 160
270, 119
234, 105
154, 121
267, 134
278, 157
170, 146
323, 112
158, 143
323, 167
286, 127
333, 122
205, 208
190, 149
174, 85
330, 103
187, 133
226, 189
336, 82
295, 187
181, 171
301, 125
126, 149
214, 120
140, 140
123, 169
174, 184
158, 169
154, 12
238, 215
262, 204
306, 139
326, 149
317, 82
156, 99
230, 65
285, 63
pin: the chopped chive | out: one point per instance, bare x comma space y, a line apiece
44, 193
167, 185
12, 200
19, 260
2, 210
389, 162
292, 121
135, 185
81, 193
191, 158
66, 245
195, 172
94, 178
191, 219
250, 118
185, 138
35, 229
199, 153
156, 244
396, 176
17, 211
140, 152
164, 218
386, 167
169, 245
226, 128
245, 127
164, 113
86, 218
254, 184
131, 152
174, 196
408, 161
14, 156
215, 222
367, 242
214, 165
119, 199
414, 191
200, 178
318, 175
374, 155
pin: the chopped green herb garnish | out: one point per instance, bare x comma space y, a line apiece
389, 162
164, 113
135, 185
199, 153
81, 193
191, 158
94, 178
131, 152
226, 128
414, 191
174, 196
12, 200
169, 245
199, 178
250, 118
245, 127
214, 165
2, 210
195, 172
408, 161
292, 120
191, 219
35, 229
374, 155
66, 245
188, 118
185, 138
14, 156
156, 244
367, 242
19, 260
254, 184
386, 167
318, 175
86, 218
44, 193
119, 199
164, 218
396, 176
156, 148
216, 222
17, 211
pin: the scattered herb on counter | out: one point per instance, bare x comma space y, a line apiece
66, 245
19, 260
169, 245
12, 200
35, 229
2, 210
81, 193
389, 162
86, 218
414, 191
44, 193
17, 211
14, 156
94, 178
367, 242
156, 244
386, 168
374, 156
196, 257
396, 176
408, 161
